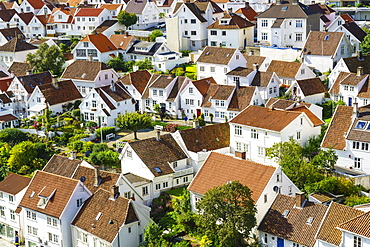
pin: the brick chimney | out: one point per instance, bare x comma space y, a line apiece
299, 199
114, 192
360, 71
96, 176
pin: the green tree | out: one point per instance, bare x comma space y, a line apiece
63, 47
365, 44
46, 58
133, 121
228, 212
109, 158
144, 64
12, 136
155, 33
21, 157
126, 18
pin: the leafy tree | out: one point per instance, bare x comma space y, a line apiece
126, 18
354, 200
47, 58
109, 158
63, 47
228, 212
133, 121
144, 64
155, 33
12, 136
21, 157
365, 44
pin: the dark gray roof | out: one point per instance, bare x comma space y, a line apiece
354, 29
15, 45
10, 33
288, 10
151, 52
194, 9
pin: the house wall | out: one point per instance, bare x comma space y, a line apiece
272, 240
148, 18
196, 96
283, 54
320, 63
340, 67
348, 239
84, 25
234, 38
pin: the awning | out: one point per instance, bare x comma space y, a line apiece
37, 108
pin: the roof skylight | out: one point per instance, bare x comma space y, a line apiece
157, 169
360, 125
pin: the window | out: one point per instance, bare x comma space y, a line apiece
79, 202
165, 184
193, 32
141, 238
298, 135
185, 179
12, 214
1, 195
264, 36
265, 238
351, 89
357, 163
145, 191
298, 23
213, 32
191, 90
11, 198
38, 99
81, 53
186, 33
303, 71
365, 102
290, 190
295, 245
365, 146
213, 43
298, 37
346, 88
265, 198
213, 69
160, 93
278, 178
264, 23
261, 151
174, 164
155, 92
158, 186
342, 49
129, 154
2, 211
193, 21
201, 68
206, 113
54, 238
357, 241
223, 33
241, 147
356, 145
238, 130
94, 53
129, 230
254, 134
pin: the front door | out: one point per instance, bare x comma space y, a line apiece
199, 111
280, 242
350, 101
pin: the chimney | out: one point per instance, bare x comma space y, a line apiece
237, 85
96, 176
255, 66
73, 155
299, 199
90, 58
359, 56
55, 81
114, 192
355, 110
195, 123
19, 36
247, 5
360, 71
271, 107
112, 87
158, 136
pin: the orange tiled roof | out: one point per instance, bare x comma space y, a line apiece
89, 12
100, 41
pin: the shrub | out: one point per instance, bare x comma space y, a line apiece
171, 128
105, 130
76, 146
354, 200
78, 137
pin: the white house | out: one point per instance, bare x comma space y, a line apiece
231, 31
103, 104
216, 62
136, 83
199, 142
323, 50
12, 189
289, 72
348, 136
60, 22
108, 219
87, 19
15, 50
146, 11
161, 161
188, 24
287, 24
123, 43
33, 6
95, 47
87, 75
22, 20
218, 169
309, 90
351, 231
351, 88
257, 128
49, 206
58, 97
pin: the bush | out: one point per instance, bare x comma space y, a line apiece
78, 137
354, 200
105, 130
88, 146
76, 146
185, 53
12, 136
171, 128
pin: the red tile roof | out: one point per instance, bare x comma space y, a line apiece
101, 42
359, 225
218, 169
36, 4
63, 187
347, 17
89, 12
14, 183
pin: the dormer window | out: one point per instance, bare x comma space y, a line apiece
225, 22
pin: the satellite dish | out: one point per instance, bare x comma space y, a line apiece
275, 189
83, 179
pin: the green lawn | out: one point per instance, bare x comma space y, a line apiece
191, 68
177, 192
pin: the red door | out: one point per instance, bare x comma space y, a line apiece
199, 112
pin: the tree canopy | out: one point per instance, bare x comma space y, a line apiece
144, 64
365, 44
126, 18
46, 58
228, 212
155, 33
133, 121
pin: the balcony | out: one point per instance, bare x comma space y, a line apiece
184, 172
